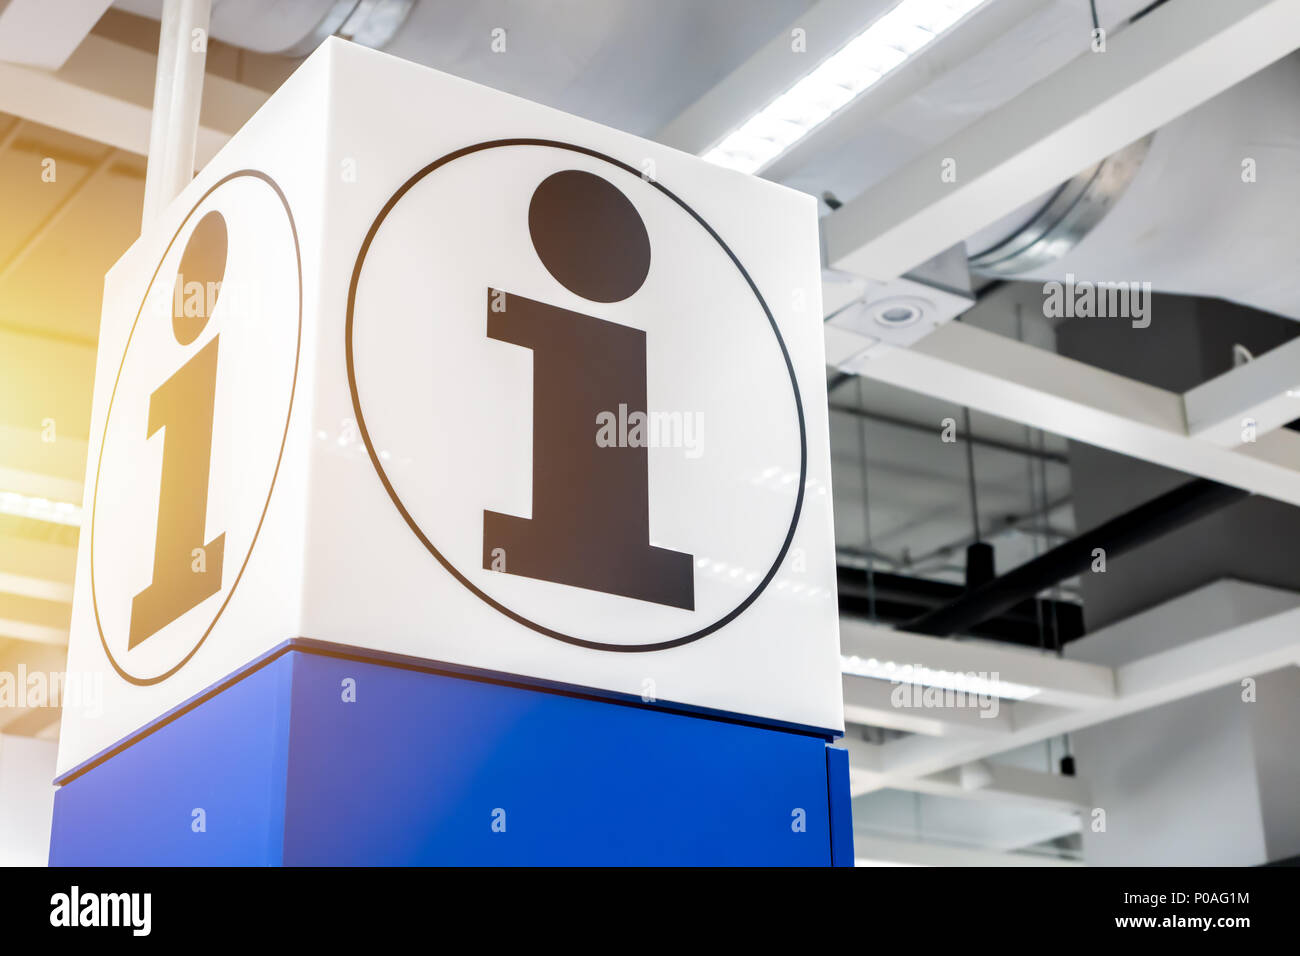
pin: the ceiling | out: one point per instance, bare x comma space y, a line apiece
902, 493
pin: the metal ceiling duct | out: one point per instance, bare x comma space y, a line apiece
1207, 206
294, 27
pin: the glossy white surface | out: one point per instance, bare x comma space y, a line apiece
254, 323
449, 411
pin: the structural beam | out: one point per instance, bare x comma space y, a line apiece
34, 619
105, 93
1176, 57
871, 850
43, 34
46, 659
1237, 630
11, 135
869, 702
928, 428
1251, 399
37, 569
1000, 783
968, 366
45, 395
1060, 683
39, 469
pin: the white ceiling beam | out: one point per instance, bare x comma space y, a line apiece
33, 619
1264, 635
38, 484
105, 93
45, 394
46, 659
1061, 683
1176, 57
868, 701
1001, 783
11, 135
32, 722
53, 470
37, 569
1001, 376
864, 764
1211, 662
21, 630
28, 586
1263, 393
43, 34
872, 850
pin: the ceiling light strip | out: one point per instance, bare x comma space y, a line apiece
990, 685
40, 509
837, 81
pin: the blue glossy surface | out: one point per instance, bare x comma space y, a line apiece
226, 757
426, 768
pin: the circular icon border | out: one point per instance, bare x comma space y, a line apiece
108, 417
414, 526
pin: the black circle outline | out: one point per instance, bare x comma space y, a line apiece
392, 493
108, 416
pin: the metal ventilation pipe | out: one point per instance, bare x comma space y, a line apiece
294, 27
1209, 205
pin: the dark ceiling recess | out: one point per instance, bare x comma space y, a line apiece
899, 598
1148, 521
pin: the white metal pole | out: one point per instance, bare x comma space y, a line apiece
177, 95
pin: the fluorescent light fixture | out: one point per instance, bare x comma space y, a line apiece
42, 509
836, 81
988, 685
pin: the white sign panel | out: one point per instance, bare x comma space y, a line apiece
476, 382
204, 387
